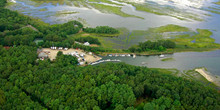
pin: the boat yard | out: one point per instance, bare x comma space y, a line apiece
82, 56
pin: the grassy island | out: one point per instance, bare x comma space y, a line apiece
185, 39
218, 3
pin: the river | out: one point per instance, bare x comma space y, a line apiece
181, 61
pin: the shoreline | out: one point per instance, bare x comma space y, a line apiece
208, 77
202, 72
159, 53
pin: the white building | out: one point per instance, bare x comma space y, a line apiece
90, 53
86, 44
81, 63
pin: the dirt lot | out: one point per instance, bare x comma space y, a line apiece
53, 54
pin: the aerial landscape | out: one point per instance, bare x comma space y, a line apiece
109, 54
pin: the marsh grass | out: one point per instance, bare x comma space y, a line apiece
218, 3
43, 9
59, 13
112, 9
168, 59
185, 38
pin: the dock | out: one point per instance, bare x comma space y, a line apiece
102, 61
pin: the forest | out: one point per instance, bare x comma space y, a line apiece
101, 30
27, 83
160, 45
89, 39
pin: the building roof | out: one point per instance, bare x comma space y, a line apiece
86, 43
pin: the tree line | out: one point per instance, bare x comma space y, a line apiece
160, 45
101, 30
89, 39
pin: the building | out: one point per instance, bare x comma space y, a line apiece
90, 53
86, 44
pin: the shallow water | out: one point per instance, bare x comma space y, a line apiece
94, 17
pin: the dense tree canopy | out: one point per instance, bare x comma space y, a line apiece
2, 3
30, 84
91, 40
101, 30
159, 45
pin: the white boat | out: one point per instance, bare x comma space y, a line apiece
143, 63
82, 55
134, 56
162, 56
65, 48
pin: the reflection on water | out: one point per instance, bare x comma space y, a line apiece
183, 3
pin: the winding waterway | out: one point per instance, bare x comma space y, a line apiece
182, 61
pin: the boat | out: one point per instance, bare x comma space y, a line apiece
134, 56
123, 55
162, 56
108, 60
143, 63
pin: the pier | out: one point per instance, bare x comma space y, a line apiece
102, 61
